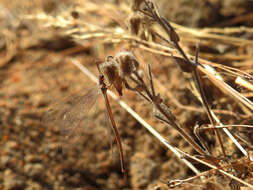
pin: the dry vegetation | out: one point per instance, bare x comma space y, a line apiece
185, 116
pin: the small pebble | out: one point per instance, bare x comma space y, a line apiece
11, 145
4, 160
34, 170
12, 181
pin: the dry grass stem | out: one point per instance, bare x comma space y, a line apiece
137, 117
117, 35
244, 83
216, 168
215, 62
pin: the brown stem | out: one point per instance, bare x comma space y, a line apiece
175, 39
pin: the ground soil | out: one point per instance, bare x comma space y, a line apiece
36, 71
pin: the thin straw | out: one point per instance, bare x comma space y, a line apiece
137, 117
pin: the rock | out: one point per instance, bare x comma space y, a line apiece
34, 170
32, 158
31, 185
12, 181
11, 145
4, 160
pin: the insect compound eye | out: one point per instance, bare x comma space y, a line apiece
110, 69
111, 73
127, 63
109, 58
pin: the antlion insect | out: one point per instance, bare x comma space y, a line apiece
69, 113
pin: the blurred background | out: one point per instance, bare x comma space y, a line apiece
38, 41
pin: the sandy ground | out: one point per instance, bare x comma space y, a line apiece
37, 72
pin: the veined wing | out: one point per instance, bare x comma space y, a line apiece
70, 111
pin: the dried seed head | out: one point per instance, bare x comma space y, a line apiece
127, 63
166, 110
140, 25
49, 6
75, 14
135, 4
134, 23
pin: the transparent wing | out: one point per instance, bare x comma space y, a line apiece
111, 137
68, 113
